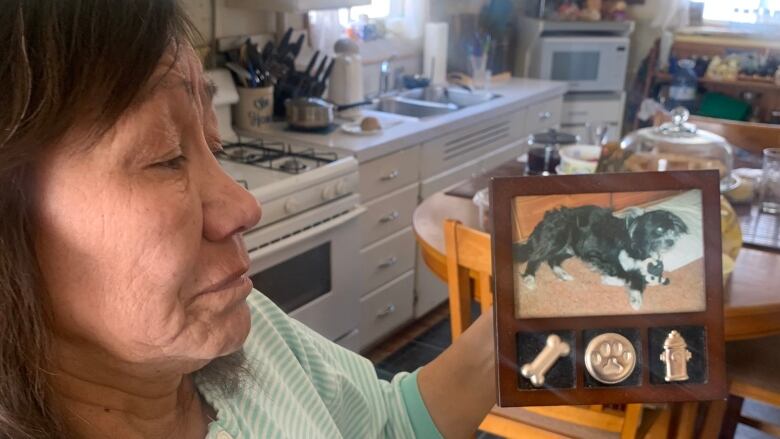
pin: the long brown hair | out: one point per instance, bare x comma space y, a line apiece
65, 65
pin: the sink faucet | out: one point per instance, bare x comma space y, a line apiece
384, 75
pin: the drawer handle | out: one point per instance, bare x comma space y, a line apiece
392, 175
545, 115
389, 309
390, 217
578, 113
389, 262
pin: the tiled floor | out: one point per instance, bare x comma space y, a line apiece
424, 340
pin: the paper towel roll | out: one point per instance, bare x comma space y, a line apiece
435, 52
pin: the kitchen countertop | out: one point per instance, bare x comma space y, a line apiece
514, 94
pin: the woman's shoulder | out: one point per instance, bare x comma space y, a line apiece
273, 331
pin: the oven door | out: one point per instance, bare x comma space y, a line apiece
310, 273
586, 63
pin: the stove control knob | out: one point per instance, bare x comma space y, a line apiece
292, 205
329, 193
341, 187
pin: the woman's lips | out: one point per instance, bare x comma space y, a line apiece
229, 282
237, 286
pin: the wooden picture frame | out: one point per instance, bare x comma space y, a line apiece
644, 329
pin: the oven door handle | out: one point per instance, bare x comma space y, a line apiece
307, 234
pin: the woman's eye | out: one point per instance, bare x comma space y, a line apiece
175, 163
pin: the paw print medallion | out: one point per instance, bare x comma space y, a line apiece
610, 358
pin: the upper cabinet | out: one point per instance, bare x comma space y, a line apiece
295, 6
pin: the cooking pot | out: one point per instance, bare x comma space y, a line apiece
312, 114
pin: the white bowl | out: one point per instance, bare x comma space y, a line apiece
465, 98
580, 159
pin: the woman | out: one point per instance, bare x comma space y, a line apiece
125, 307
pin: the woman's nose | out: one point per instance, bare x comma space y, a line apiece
228, 208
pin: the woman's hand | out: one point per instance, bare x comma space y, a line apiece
459, 387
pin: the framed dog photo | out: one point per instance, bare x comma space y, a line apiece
608, 288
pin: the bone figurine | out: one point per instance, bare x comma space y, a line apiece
554, 349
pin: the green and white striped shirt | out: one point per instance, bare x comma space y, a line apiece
309, 387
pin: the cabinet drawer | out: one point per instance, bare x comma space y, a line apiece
385, 260
543, 116
386, 309
386, 174
584, 111
388, 214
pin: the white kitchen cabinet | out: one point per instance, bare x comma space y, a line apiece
391, 187
385, 260
295, 6
582, 109
388, 214
389, 173
543, 116
472, 168
386, 309
459, 147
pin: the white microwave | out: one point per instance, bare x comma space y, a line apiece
586, 63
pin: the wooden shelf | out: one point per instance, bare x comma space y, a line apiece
745, 84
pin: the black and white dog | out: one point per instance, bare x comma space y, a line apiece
626, 251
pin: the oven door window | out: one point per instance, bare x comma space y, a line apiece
298, 280
575, 66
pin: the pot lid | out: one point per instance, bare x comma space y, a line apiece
552, 137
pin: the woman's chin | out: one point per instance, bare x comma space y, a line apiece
237, 326
228, 334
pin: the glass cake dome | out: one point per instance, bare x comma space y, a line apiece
679, 146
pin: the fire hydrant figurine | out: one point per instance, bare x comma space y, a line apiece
676, 356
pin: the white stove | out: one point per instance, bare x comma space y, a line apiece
304, 249
286, 179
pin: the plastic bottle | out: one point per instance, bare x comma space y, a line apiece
682, 92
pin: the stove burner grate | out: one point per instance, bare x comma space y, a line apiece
278, 156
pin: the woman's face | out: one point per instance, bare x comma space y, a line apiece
139, 237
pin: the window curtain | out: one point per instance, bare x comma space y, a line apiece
325, 29
671, 14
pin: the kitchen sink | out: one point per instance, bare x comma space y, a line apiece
420, 102
414, 107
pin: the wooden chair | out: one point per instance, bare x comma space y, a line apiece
469, 263
753, 137
752, 370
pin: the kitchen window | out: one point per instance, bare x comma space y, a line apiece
742, 11
377, 9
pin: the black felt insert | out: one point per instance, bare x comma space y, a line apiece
696, 339
634, 337
561, 374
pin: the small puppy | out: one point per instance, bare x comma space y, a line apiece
626, 251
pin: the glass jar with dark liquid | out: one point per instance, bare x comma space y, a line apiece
543, 155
